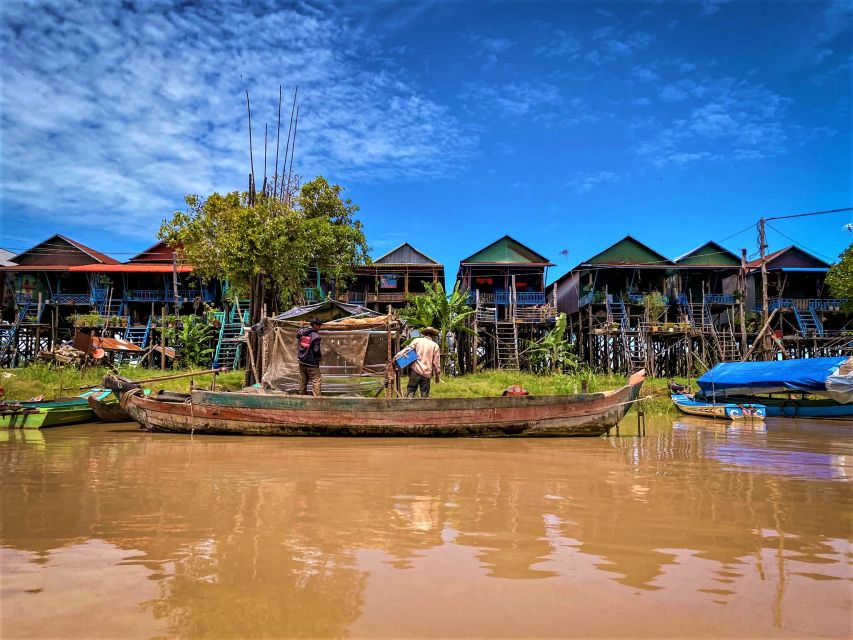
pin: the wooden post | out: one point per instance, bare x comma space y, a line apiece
389, 366
476, 339
742, 305
53, 327
163, 338
765, 306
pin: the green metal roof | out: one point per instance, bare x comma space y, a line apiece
629, 251
507, 251
707, 255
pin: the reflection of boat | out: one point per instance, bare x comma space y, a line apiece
813, 387
591, 414
697, 407
52, 413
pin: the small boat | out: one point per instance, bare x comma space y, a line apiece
724, 410
14, 416
279, 414
806, 388
109, 409
62, 411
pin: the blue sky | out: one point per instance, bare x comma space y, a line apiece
566, 125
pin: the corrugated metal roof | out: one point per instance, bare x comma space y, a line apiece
131, 268
37, 267
97, 255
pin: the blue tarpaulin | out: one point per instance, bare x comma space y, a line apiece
813, 375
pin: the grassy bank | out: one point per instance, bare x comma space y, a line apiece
52, 382
492, 383
28, 382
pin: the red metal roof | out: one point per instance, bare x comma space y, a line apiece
38, 267
130, 268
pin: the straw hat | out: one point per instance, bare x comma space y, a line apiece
429, 331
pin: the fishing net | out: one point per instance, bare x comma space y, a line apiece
355, 354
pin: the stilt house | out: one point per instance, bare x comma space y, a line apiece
393, 278
505, 282
808, 316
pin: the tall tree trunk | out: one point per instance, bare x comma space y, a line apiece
256, 305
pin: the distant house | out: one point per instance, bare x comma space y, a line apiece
505, 282
625, 271
153, 277
47, 269
393, 278
505, 274
709, 272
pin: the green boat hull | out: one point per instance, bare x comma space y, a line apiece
53, 413
19, 420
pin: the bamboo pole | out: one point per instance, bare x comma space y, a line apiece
163, 338
172, 377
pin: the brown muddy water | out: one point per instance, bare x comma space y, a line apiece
698, 529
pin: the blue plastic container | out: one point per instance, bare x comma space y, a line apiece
406, 357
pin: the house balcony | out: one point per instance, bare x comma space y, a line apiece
803, 304
159, 295
522, 298
71, 298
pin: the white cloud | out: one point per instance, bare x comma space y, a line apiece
585, 181
118, 111
722, 118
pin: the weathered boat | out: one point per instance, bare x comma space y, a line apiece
278, 414
805, 388
721, 410
109, 409
50, 413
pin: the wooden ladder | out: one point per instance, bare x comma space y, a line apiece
506, 335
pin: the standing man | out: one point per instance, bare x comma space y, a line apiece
309, 358
427, 366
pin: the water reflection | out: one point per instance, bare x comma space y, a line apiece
256, 537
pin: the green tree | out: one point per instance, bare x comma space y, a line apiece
840, 276
446, 313
553, 352
265, 250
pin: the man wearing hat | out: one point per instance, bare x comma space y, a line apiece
308, 340
427, 366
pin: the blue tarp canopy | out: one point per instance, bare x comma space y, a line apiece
819, 376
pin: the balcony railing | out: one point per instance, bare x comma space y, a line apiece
353, 297
159, 295
828, 304
71, 298
719, 298
530, 297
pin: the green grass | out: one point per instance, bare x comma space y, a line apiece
51, 382
492, 383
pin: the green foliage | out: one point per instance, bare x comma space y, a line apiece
86, 319
225, 238
654, 305
192, 342
443, 312
553, 352
840, 275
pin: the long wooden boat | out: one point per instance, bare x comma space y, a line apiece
62, 411
276, 414
722, 410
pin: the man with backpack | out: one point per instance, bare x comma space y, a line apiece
309, 355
